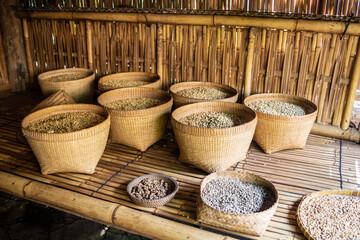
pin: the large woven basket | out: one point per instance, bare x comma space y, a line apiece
274, 133
306, 199
255, 223
138, 128
81, 90
152, 80
173, 185
181, 101
213, 149
77, 151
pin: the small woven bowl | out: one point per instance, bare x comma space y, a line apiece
158, 202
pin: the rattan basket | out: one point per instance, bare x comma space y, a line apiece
81, 90
173, 185
181, 101
152, 79
255, 223
305, 200
77, 151
138, 128
213, 149
275, 133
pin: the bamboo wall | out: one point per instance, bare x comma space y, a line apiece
324, 7
3, 67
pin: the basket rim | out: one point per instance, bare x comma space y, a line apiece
258, 97
197, 105
153, 78
232, 91
306, 198
61, 109
138, 112
46, 76
245, 173
169, 196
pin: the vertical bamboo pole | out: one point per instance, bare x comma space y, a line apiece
89, 44
249, 63
3, 65
352, 92
159, 46
27, 49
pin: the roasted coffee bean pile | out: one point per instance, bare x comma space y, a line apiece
150, 189
212, 120
235, 196
66, 122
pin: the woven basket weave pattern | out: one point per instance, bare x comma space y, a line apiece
275, 133
213, 149
158, 202
80, 90
138, 128
68, 152
181, 101
153, 80
255, 224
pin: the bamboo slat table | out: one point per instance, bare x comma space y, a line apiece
324, 163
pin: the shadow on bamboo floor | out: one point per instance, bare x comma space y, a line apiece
22, 219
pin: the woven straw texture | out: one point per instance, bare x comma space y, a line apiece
152, 79
306, 199
275, 133
213, 149
77, 151
55, 99
174, 186
138, 128
181, 101
255, 223
81, 90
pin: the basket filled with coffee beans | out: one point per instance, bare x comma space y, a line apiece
237, 201
152, 190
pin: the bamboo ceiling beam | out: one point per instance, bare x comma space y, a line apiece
325, 26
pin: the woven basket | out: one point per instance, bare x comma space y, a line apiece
153, 80
81, 90
77, 151
137, 128
306, 199
181, 101
255, 223
213, 149
275, 133
158, 202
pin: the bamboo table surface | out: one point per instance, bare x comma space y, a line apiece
324, 163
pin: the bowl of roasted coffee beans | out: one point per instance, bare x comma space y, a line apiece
152, 190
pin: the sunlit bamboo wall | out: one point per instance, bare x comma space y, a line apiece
329, 7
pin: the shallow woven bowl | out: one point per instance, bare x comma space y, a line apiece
255, 223
152, 79
81, 90
78, 151
306, 199
274, 133
213, 149
181, 101
138, 128
158, 202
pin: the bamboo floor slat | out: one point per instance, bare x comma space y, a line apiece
324, 163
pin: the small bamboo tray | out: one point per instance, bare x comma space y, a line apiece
255, 223
306, 199
181, 101
174, 186
152, 79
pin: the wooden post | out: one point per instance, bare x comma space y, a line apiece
27, 48
13, 45
159, 46
249, 63
352, 91
3, 67
89, 43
